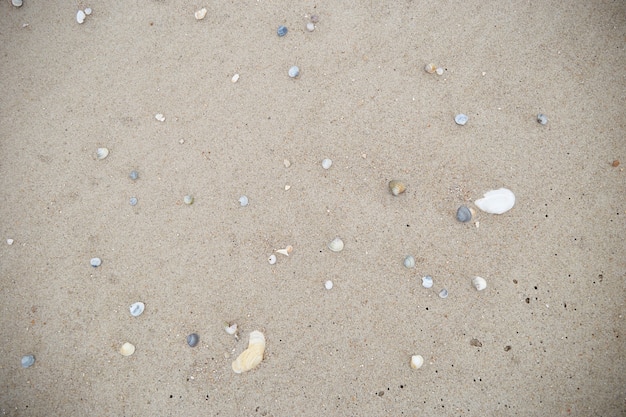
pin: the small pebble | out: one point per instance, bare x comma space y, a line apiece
243, 200
463, 214
328, 284
235, 78
133, 175
88, 11
28, 361
439, 71
281, 31
286, 163
542, 119
160, 117
310, 26
137, 308
80, 16
200, 14
460, 119
96, 262
615, 163
17, 3
188, 199
327, 163
133, 201
272, 259
9, 242
315, 18
443, 293
294, 71
193, 339
427, 281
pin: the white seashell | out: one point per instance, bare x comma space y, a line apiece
235, 78
188, 199
327, 163
430, 68
328, 284
310, 26
336, 245
272, 259
479, 283
409, 262
102, 153
127, 349
285, 251
80, 16
200, 14
443, 293
287, 187
439, 71
17, 3
160, 117
396, 187
137, 308
496, 201
243, 201
286, 163
417, 361
9, 242
88, 11
427, 281
232, 329
251, 357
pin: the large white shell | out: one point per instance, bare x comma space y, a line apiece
102, 153
417, 361
251, 357
336, 245
496, 201
479, 283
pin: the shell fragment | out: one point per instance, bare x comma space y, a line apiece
253, 355
200, 14
496, 201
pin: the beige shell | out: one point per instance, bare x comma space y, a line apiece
396, 187
417, 361
430, 68
336, 245
200, 14
251, 357
127, 349
102, 153
479, 283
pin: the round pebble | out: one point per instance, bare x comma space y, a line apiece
28, 361
96, 262
133, 201
137, 308
133, 175
328, 284
243, 200
294, 71
327, 163
542, 119
310, 26
461, 119
439, 71
427, 281
443, 293
463, 214
188, 199
281, 31
193, 339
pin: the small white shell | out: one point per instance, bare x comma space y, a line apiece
336, 245
285, 251
327, 163
328, 284
409, 262
439, 71
200, 14
188, 199
102, 153
427, 281
430, 68
251, 357
235, 78
160, 117
232, 329
286, 163
310, 26
496, 201
80, 16
443, 293
243, 201
88, 11
272, 259
417, 361
137, 308
127, 349
396, 187
479, 283
10, 241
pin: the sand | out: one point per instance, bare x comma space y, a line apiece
546, 338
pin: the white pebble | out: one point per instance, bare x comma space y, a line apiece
17, 3
286, 163
310, 26
417, 361
80, 16
439, 71
272, 259
88, 11
235, 78
200, 14
96, 262
160, 117
443, 293
243, 200
9, 241
294, 72
427, 281
137, 308
328, 284
461, 119
327, 163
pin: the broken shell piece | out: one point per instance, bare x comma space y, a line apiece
231, 329
443, 293
336, 245
285, 251
427, 281
235, 78
102, 153
188, 199
496, 201
253, 355
200, 14
328, 285
127, 349
479, 283
80, 16
272, 259
88, 11
396, 187
417, 361
286, 163
430, 68
10, 242
137, 308
159, 117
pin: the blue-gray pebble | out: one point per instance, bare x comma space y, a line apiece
193, 339
28, 361
133, 201
282, 31
463, 214
133, 175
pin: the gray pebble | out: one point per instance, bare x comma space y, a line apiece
542, 119
463, 214
96, 262
443, 293
133, 175
281, 31
133, 201
28, 361
193, 339
294, 71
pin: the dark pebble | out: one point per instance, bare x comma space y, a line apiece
193, 339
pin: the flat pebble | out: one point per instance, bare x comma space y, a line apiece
243, 201
28, 361
137, 308
96, 262
133, 201
327, 163
542, 119
235, 78
294, 71
310, 26
328, 284
281, 31
193, 339
461, 119
443, 293
427, 281
463, 214
80, 16
133, 175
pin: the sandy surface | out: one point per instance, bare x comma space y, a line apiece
551, 322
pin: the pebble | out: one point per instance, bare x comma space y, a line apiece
443, 293
439, 71
200, 14
281, 31
243, 200
463, 214
160, 117
133, 175
542, 119
80, 16
235, 78
328, 284
294, 71
315, 18
327, 163
188, 199
286, 163
310, 26
27, 360
17, 3
88, 11
96, 262
136, 309
615, 163
427, 281
193, 339
133, 201
272, 259
461, 119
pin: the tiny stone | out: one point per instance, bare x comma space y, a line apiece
243, 200
160, 117
181, 141
427, 281
28, 361
310, 26
542, 119
327, 163
315, 18
96, 262
200, 14
328, 284
88, 11
281, 31
235, 78
9, 242
286, 163
133, 201
439, 71
80, 16
133, 175
443, 293
272, 259
476, 343
294, 71
137, 308
193, 339
430, 68
463, 214
188, 199
460, 119
17, 3
615, 163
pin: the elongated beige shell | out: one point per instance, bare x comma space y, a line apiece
251, 357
